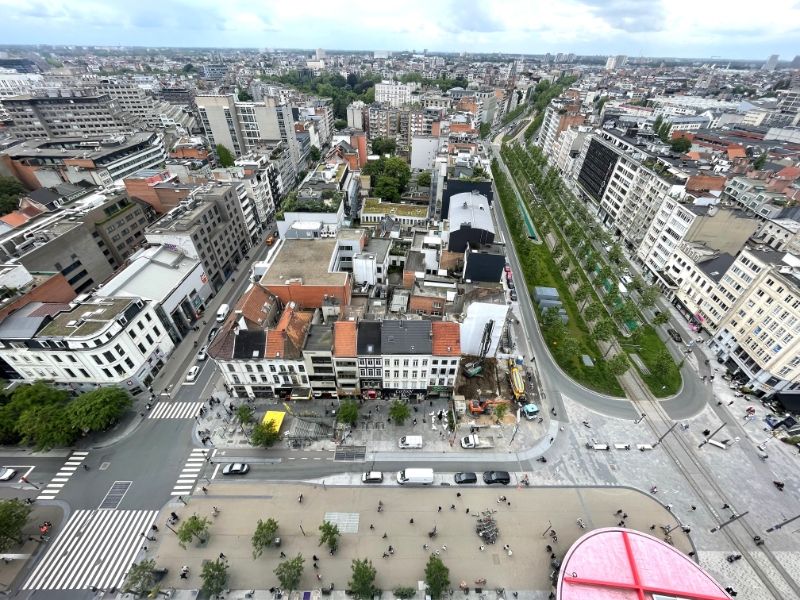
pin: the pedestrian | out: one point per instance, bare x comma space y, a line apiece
314, 556
385, 555
621, 524
371, 527
319, 577
481, 548
385, 536
652, 527
452, 507
458, 494
444, 547
425, 546
552, 439
693, 507
205, 489
726, 505
316, 566
283, 554
411, 521
85, 467
221, 556
440, 509
555, 539
691, 553
668, 507
154, 527
549, 548
619, 512
391, 550
552, 556
624, 515
184, 575
468, 511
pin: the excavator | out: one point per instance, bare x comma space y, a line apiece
475, 367
480, 407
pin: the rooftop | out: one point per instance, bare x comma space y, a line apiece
406, 337
376, 206
716, 267
470, 208
320, 338
369, 338
446, 338
86, 319
306, 262
344, 339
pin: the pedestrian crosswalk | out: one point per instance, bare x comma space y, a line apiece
175, 410
73, 463
96, 549
190, 473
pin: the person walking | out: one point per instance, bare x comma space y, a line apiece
222, 556
440, 509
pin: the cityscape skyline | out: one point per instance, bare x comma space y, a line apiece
586, 27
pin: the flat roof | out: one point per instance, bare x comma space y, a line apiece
320, 338
153, 274
375, 206
306, 261
86, 319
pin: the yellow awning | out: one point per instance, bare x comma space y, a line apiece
276, 416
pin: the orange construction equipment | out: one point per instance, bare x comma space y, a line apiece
479, 407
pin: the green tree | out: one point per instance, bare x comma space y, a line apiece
570, 346
215, 577
11, 190
404, 593
329, 534
663, 362
362, 579
680, 145
399, 412
244, 414
188, 68
340, 124
381, 146
314, 154
660, 318
615, 254
593, 311
437, 577
13, 516
264, 536
573, 277
386, 188
193, 527
289, 572
46, 427
636, 283
244, 96
140, 578
564, 264
424, 179
265, 434
99, 409
618, 365
627, 312
759, 162
649, 295
485, 129
583, 293
225, 156
604, 330
500, 411
348, 412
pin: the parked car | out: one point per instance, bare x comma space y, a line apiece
192, 374
513, 295
507, 268
6, 473
511, 285
212, 333
530, 411
202, 354
372, 477
675, 335
492, 477
465, 477
235, 469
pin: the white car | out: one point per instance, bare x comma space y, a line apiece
7, 474
202, 354
235, 469
192, 374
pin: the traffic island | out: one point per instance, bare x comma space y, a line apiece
415, 522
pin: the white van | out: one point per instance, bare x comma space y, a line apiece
223, 312
410, 441
415, 477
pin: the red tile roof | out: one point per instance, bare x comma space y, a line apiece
790, 173
256, 305
446, 338
289, 335
344, 339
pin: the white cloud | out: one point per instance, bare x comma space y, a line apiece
658, 27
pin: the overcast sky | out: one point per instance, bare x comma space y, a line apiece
688, 28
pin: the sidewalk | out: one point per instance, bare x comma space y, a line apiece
20, 556
523, 524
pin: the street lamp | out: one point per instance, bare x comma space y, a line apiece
640, 419
729, 521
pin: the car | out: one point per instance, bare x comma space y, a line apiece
675, 335
530, 411
465, 477
192, 374
513, 295
212, 333
372, 477
202, 354
6, 473
511, 285
492, 477
235, 469
507, 268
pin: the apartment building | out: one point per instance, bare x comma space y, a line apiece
243, 127
753, 195
210, 226
722, 228
445, 355
132, 99
66, 115
101, 341
96, 160
345, 356
781, 234
357, 115
86, 241
318, 358
407, 350
625, 185
759, 337
559, 115
393, 93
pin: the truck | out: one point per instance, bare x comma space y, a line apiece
474, 442
515, 378
410, 441
410, 476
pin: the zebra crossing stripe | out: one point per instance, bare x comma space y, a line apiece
190, 472
175, 410
64, 473
95, 549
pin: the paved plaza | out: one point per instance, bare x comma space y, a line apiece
523, 525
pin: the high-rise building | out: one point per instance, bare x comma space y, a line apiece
244, 126
393, 93
771, 63
132, 99
616, 62
68, 114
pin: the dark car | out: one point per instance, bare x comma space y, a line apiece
513, 295
492, 477
212, 333
675, 335
465, 477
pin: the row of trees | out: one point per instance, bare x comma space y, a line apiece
342, 90
46, 417
398, 412
541, 96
